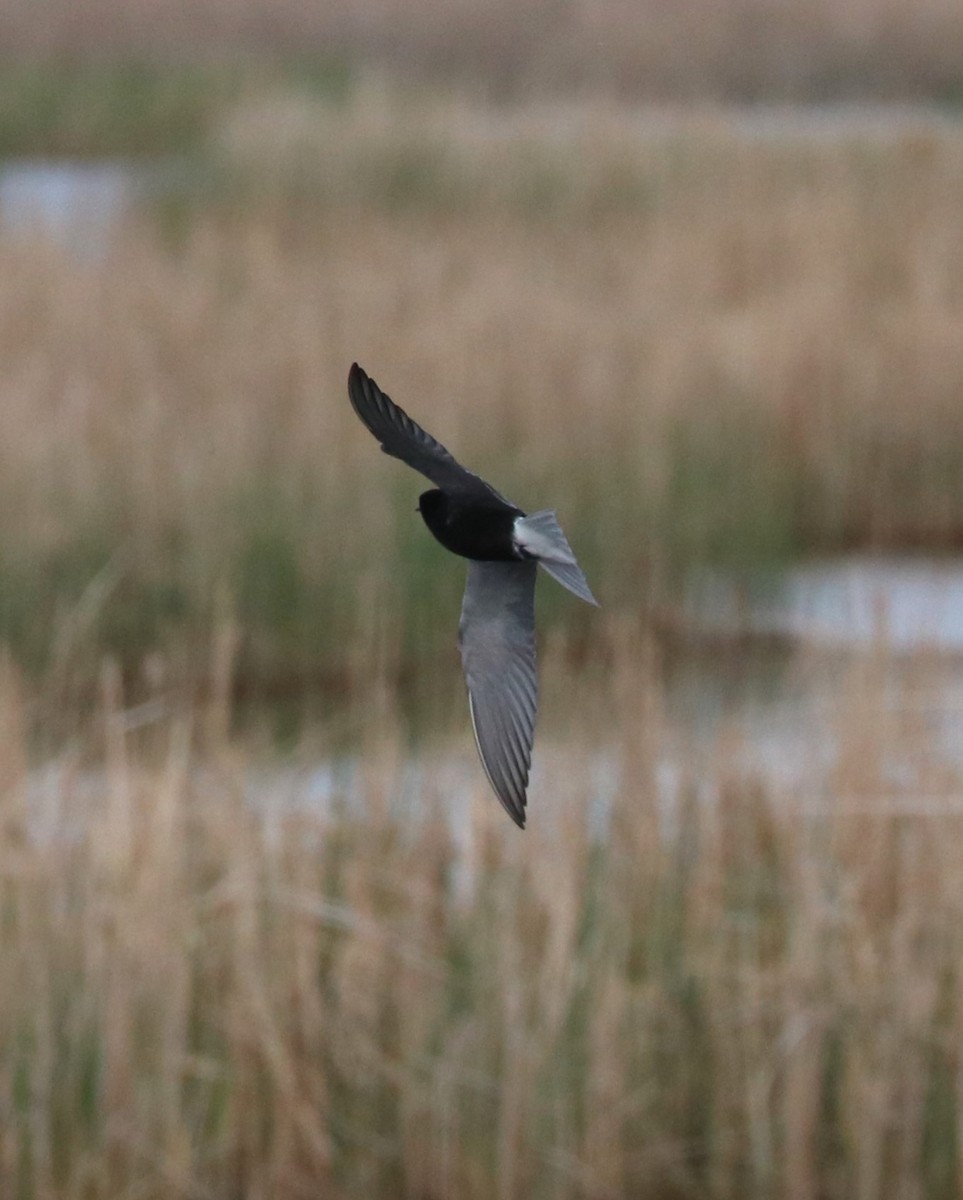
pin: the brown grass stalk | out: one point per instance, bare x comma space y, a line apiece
212, 993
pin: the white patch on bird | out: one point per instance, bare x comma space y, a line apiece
478, 745
518, 538
539, 536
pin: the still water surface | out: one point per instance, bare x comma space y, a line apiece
78, 204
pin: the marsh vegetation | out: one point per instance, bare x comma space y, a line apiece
705, 346
695, 974
724, 984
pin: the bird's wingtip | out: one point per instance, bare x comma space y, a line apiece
512, 804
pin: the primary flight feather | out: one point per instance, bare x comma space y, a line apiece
496, 634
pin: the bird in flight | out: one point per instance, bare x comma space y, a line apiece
496, 634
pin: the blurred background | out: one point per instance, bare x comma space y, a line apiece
693, 275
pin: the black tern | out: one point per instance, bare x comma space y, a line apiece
496, 634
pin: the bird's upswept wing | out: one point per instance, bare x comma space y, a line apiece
497, 641
404, 438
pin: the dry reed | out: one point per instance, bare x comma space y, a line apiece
211, 989
697, 343
743, 988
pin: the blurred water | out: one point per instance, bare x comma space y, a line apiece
79, 202
909, 605
775, 673
788, 660
76, 203
866, 122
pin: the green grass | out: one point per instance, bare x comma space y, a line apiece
109, 111
141, 109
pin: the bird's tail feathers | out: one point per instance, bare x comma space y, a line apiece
541, 536
570, 575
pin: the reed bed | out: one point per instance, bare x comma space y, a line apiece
697, 343
726, 988
700, 346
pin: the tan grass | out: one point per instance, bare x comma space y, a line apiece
693, 341
208, 995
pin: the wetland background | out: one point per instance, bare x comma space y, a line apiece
693, 279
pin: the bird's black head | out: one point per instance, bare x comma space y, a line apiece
433, 506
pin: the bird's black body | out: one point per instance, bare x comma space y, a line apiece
482, 531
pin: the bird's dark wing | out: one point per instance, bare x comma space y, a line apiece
404, 438
497, 641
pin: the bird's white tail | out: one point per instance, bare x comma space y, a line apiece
541, 537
